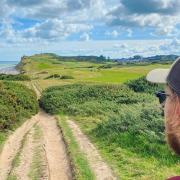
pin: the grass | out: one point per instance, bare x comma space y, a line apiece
36, 168
126, 126
80, 166
2, 139
141, 154
39, 67
16, 161
125, 163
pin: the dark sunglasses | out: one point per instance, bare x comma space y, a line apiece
162, 96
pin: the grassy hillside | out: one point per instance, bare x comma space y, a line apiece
16, 104
40, 67
116, 109
125, 125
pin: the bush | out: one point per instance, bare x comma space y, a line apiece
57, 99
17, 77
53, 76
129, 119
16, 103
66, 77
57, 76
142, 85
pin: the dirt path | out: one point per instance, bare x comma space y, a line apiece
12, 145
57, 161
25, 157
100, 168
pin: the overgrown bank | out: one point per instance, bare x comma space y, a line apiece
80, 167
124, 121
17, 103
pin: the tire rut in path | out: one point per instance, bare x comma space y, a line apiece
56, 156
100, 168
12, 145
21, 172
58, 161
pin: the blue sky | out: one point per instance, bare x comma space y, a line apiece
115, 28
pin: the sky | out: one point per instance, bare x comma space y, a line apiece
114, 28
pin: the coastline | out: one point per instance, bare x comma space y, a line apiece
9, 70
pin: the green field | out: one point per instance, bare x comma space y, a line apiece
39, 67
122, 119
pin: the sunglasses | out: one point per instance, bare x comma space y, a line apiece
162, 96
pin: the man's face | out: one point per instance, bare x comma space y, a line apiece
172, 120
169, 104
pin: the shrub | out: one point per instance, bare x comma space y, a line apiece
57, 99
16, 103
17, 77
142, 85
57, 76
66, 77
53, 76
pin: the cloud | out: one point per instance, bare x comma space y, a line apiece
85, 37
120, 46
165, 7
54, 29
49, 21
44, 9
25, 3
49, 30
172, 46
160, 14
5, 10
113, 33
130, 32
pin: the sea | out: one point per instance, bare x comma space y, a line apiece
8, 67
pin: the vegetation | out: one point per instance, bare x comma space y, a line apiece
124, 121
141, 85
16, 161
17, 77
57, 76
39, 67
80, 166
16, 103
36, 170
114, 105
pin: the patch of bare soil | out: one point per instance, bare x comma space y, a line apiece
21, 172
100, 168
57, 166
12, 145
58, 161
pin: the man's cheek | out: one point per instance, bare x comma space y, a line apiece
173, 141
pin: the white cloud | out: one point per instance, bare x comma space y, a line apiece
85, 37
113, 33
172, 47
50, 30
54, 29
48, 21
160, 14
130, 32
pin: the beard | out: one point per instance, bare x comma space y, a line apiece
174, 142
173, 133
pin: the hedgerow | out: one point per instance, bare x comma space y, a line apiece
17, 77
17, 102
141, 85
60, 98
